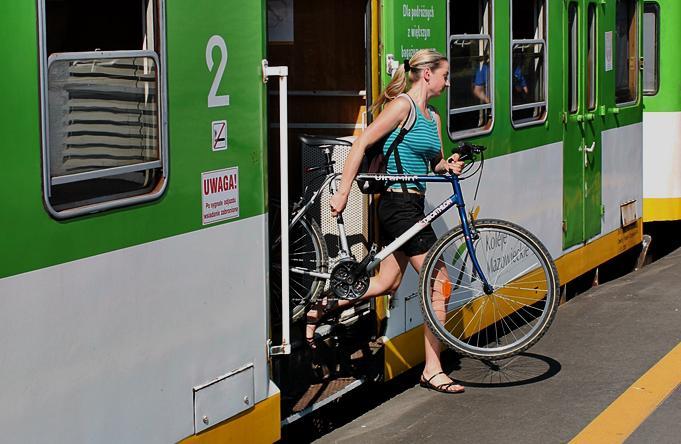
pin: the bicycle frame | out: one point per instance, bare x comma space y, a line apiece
455, 199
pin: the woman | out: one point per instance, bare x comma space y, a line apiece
400, 207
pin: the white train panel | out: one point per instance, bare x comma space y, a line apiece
662, 154
116, 343
622, 173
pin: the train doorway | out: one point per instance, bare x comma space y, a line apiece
324, 45
329, 50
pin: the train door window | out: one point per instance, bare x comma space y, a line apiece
471, 67
102, 104
573, 57
651, 48
591, 65
528, 62
626, 53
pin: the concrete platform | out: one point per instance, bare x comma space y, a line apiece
601, 342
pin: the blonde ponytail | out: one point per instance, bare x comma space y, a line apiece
422, 59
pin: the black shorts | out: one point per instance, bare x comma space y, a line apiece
398, 212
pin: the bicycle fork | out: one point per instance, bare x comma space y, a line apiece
470, 234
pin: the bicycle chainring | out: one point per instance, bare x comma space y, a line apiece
344, 283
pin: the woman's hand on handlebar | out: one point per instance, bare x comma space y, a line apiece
338, 202
453, 164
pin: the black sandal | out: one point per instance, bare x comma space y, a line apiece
442, 388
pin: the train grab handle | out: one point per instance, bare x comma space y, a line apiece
282, 72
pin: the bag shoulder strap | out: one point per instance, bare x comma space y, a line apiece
411, 118
408, 125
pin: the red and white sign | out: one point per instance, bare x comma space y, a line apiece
220, 195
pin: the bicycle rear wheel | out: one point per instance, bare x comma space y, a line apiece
307, 253
508, 321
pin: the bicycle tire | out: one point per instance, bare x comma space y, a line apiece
519, 311
308, 251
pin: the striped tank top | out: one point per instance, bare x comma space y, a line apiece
419, 146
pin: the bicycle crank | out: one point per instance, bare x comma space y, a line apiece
346, 282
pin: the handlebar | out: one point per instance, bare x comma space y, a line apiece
468, 151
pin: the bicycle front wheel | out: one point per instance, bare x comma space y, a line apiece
510, 319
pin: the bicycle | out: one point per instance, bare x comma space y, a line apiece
497, 284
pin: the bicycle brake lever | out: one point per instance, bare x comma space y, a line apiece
467, 151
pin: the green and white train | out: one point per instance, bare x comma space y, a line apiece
140, 144
661, 111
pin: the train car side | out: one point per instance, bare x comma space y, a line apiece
134, 324
564, 161
661, 112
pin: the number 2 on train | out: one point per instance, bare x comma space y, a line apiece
214, 100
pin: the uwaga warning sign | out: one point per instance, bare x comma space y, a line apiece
220, 195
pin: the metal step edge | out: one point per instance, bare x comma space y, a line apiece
315, 406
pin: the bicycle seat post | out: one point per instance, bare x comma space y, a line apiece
329, 162
342, 236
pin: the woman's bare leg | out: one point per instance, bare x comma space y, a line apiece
433, 366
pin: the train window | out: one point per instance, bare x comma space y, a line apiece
626, 52
102, 105
573, 39
528, 62
591, 58
651, 48
471, 91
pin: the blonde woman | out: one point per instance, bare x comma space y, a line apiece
422, 77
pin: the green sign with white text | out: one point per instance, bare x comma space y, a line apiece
408, 26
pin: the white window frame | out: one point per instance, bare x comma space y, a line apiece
656, 12
471, 132
639, 77
544, 28
592, 77
572, 68
45, 62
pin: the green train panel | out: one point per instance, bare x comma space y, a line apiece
661, 111
133, 186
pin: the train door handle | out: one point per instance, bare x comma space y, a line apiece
588, 150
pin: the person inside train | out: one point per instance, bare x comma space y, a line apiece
424, 76
520, 88
481, 83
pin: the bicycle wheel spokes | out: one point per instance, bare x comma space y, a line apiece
307, 253
499, 324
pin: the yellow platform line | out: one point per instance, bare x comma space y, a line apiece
626, 413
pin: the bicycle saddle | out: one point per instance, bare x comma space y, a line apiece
320, 141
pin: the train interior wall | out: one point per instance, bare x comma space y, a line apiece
326, 62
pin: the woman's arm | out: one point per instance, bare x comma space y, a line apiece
480, 93
394, 113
